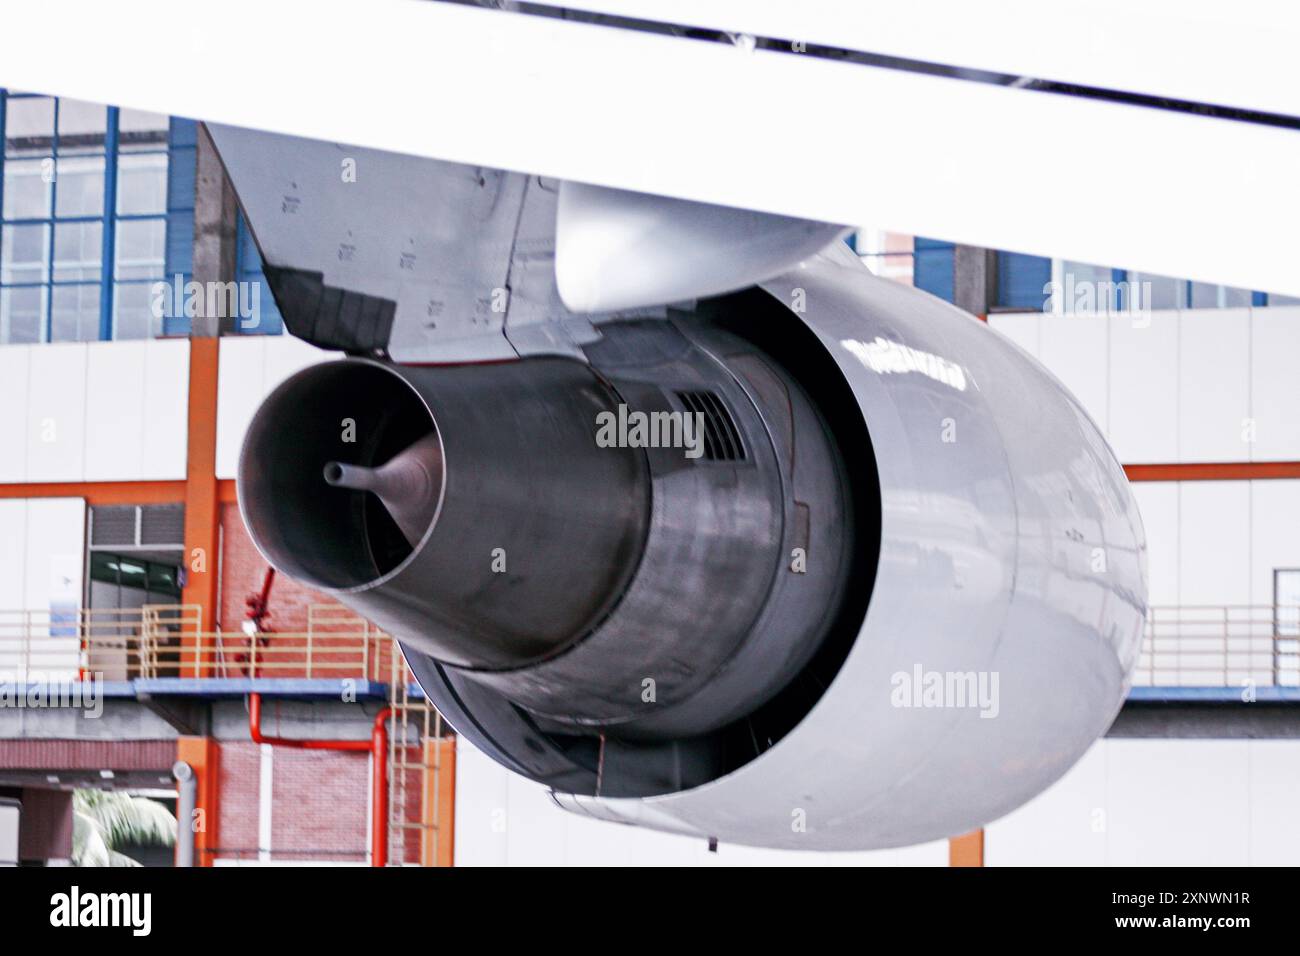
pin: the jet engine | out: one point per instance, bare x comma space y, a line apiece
822, 564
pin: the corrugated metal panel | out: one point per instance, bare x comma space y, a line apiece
112, 525
162, 524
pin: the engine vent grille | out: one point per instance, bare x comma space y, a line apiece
721, 437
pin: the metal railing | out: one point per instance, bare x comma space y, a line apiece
1203, 646
1220, 646
170, 641
419, 744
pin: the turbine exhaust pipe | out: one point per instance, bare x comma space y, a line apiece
466, 508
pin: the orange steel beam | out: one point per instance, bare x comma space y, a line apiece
967, 849
201, 506
1214, 471
101, 492
203, 756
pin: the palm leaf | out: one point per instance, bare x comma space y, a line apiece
123, 818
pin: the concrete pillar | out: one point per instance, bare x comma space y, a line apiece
215, 231
974, 279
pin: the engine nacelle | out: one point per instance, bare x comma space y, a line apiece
881, 582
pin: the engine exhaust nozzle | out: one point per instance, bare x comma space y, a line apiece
466, 509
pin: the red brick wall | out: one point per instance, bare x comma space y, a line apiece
319, 804
242, 571
237, 797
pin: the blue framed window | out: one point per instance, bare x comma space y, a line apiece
265, 318
93, 211
932, 265
1021, 280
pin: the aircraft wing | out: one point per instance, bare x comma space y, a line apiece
1163, 141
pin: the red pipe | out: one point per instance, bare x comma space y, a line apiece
377, 745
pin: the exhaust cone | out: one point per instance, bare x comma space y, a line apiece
407, 485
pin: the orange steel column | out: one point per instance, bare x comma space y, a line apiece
201, 506
967, 849
203, 756
439, 803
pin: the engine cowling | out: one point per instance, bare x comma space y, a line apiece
892, 588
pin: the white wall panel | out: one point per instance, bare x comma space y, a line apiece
54, 559
1275, 383
14, 360
13, 585
1214, 543
166, 409
55, 550
1178, 802
1075, 349
115, 413
1158, 505
286, 354
1144, 388
1153, 802
1274, 783
482, 809
1214, 384
239, 392
1023, 328
1064, 825
13, 554
502, 818
1275, 534
251, 366
56, 426
1162, 803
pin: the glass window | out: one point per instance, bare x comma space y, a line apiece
74, 313
24, 253
81, 126
80, 181
133, 316
27, 188
138, 130
142, 184
1087, 288
29, 125
1149, 291
57, 204
141, 245
1022, 280
78, 251
1207, 296
22, 314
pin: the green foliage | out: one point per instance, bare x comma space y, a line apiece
104, 820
